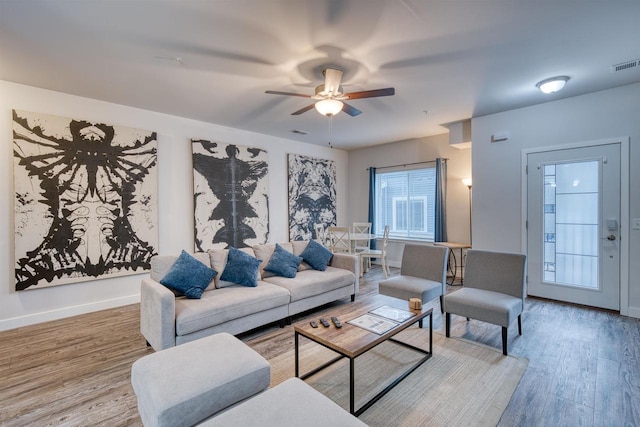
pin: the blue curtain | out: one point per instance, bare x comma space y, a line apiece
372, 203
441, 201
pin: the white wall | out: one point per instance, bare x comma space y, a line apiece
497, 167
175, 202
410, 151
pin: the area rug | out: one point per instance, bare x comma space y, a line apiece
463, 384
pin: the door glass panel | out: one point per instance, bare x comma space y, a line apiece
571, 199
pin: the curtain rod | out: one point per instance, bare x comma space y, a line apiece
409, 164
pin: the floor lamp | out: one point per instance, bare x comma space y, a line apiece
467, 182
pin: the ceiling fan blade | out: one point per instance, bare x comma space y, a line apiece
275, 92
352, 111
371, 93
332, 79
303, 110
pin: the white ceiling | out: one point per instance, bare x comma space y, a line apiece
455, 59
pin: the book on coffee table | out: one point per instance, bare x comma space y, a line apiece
392, 313
377, 325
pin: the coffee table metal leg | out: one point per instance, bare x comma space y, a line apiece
297, 356
352, 387
431, 333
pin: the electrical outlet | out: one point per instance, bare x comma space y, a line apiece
636, 224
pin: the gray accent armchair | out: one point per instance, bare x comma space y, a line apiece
494, 291
423, 274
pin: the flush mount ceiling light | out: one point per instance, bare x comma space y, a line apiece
553, 84
329, 107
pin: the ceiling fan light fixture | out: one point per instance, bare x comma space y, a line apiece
553, 84
329, 107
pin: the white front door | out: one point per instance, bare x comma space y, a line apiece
573, 225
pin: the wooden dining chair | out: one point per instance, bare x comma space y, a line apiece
361, 228
380, 254
320, 234
340, 240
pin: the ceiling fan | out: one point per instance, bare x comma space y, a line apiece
330, 96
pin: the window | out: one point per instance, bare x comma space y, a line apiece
405, 201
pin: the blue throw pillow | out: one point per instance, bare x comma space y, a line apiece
316, 255
188, 276
241, 268
283, 263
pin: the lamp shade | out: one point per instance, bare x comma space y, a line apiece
467, 182
553, 84
329, 107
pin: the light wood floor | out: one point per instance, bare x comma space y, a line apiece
584, 364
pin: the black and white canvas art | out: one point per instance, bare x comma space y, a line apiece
85, 200
312, 195
231, 195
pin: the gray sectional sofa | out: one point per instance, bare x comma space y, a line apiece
167, 320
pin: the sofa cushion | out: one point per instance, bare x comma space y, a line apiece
225, 304
310, 283
218, 259
188, 276
316, 255
264, 253
183, 385
291, 403
283, 263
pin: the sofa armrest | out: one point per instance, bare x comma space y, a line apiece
348, 262
157, 314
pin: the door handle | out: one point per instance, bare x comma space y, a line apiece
610, 237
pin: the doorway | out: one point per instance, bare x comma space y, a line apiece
573, 224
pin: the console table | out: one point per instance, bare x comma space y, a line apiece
453, 262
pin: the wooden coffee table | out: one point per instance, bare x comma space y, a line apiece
351, 341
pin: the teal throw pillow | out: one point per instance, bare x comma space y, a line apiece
188, 276
241, 268
283, 263
316, 255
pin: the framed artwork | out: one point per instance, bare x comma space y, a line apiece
312, 195
85, 200
230, 192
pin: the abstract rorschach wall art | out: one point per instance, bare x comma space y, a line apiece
231, 200
85, 200
312, 195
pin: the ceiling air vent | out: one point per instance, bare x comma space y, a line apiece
299, 132
625, 65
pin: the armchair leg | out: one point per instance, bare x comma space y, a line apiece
441, 304
447, 324
420, 324
353, 297
504, 340
520, 324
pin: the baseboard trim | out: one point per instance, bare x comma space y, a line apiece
32, 319
633, 312
389, 263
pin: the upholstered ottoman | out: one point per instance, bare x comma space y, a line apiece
183, 385
292, 403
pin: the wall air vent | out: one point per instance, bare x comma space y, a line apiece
625, 65
299, 132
